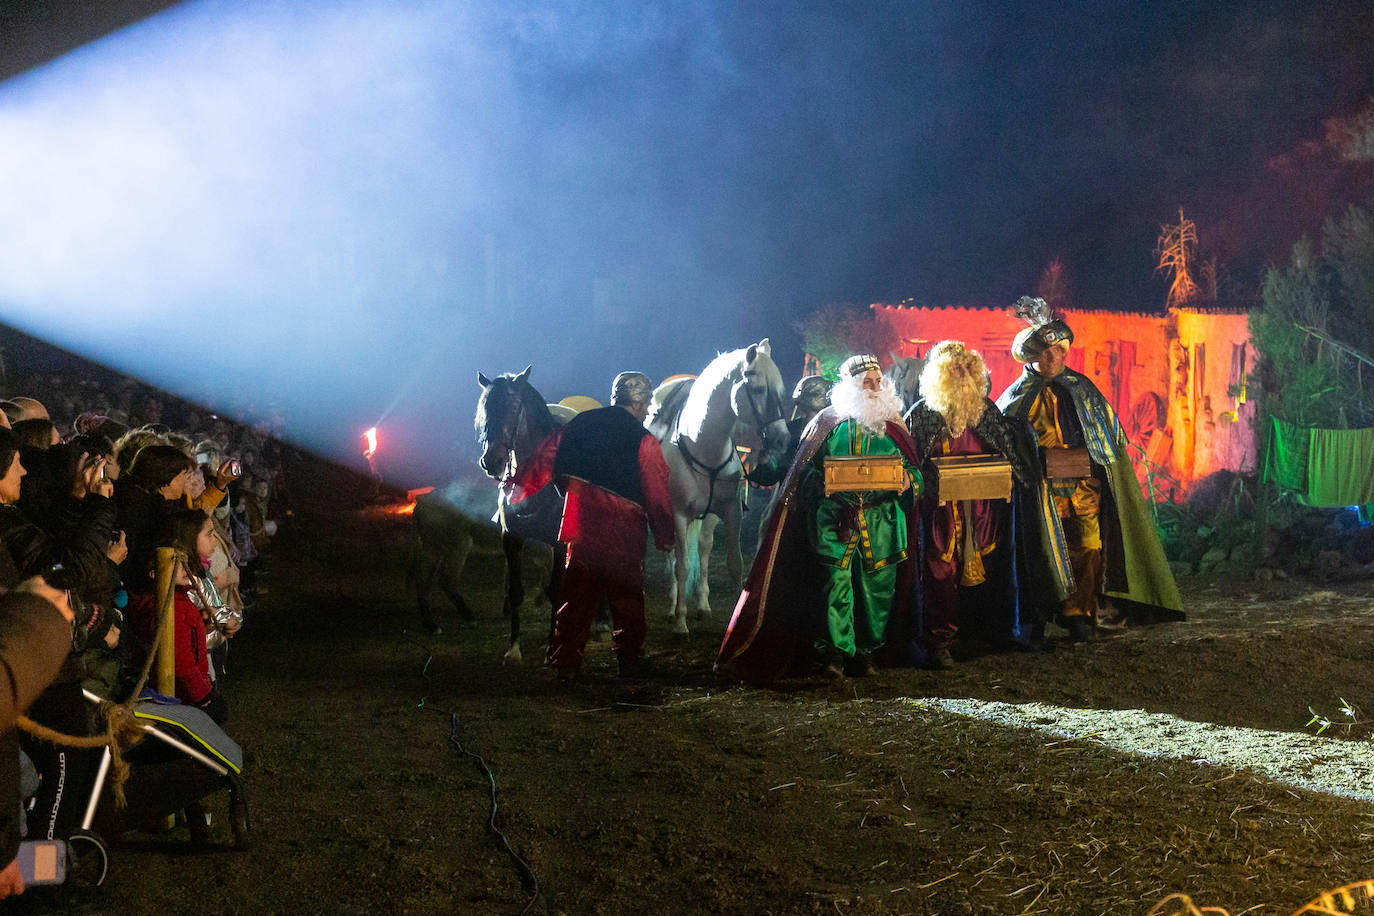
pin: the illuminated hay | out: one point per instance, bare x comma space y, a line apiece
1331, 766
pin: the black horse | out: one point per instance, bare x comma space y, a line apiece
512, 424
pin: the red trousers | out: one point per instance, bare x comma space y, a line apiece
585, 583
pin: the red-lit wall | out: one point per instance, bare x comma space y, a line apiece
1176, 380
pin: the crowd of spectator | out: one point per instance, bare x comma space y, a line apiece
94, 479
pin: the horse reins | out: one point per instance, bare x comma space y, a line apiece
713, 472
771, 399
509, 470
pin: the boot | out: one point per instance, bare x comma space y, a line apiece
1080, 628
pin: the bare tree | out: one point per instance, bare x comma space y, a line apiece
1208, 275
1175, 249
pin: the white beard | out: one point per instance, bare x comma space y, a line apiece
871, 413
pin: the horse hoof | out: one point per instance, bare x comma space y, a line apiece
680, 626
512, 656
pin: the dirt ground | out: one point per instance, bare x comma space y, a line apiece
685, 794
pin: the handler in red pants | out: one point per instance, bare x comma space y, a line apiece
615, 479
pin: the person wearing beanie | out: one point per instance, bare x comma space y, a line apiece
1114, 549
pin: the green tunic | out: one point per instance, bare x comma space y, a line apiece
867, 526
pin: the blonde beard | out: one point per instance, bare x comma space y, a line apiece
959, 401
872, 414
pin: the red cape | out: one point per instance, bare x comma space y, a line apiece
781, 610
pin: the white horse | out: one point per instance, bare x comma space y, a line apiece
905, 373
695, 421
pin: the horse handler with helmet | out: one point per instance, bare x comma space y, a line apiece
614, 478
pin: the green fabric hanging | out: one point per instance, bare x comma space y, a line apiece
1340, 467
1288, 459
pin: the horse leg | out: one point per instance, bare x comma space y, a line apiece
734, 560
427, 571
515, 593
680, 570
706, 540
450, 570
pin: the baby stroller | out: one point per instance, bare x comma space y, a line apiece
184, 757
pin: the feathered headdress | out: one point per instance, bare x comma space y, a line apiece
1033, 311
1044, 329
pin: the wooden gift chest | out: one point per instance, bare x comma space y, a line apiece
1062, 463
849, 474
960, 477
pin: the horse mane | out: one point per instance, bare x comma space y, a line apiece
720, 371
667, 407
905, 373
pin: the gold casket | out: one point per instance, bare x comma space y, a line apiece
848, 474
1062, 463
960, 477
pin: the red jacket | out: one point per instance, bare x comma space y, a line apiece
192, 664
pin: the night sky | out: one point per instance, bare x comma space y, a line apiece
384, 198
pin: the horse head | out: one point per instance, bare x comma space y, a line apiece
758, 399
511, 418
905, 373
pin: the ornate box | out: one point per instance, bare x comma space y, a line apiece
1061, 463
960, 477
846, 474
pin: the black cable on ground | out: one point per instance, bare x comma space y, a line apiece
528, 881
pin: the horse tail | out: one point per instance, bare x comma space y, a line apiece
669, 399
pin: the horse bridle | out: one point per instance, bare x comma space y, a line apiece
770, 400
508, 471
713, 472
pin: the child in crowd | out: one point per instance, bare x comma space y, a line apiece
191, 531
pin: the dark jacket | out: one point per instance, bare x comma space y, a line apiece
142, 516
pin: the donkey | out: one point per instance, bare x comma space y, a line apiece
694, 419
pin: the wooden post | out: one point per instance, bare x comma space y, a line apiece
165, 666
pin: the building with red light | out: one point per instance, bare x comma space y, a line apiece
1176, 380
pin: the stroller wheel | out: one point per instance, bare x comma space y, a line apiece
238, 815
87, 860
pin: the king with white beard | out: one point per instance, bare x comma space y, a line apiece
833, 572
860, 537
